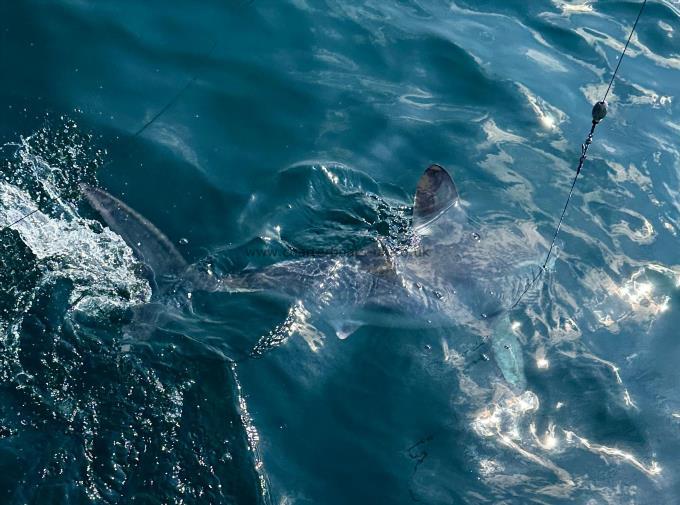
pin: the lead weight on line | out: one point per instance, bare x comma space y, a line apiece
599, 111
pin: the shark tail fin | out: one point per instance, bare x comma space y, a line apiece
150, 244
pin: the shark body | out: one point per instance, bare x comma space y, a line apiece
450, 274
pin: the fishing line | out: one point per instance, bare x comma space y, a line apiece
175, 98
19, 220
598, 113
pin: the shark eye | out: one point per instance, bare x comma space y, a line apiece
476, 236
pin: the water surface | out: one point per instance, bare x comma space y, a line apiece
304, 124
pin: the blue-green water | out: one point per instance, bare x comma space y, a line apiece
306, 125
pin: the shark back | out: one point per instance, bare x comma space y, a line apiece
479, 272
484, 266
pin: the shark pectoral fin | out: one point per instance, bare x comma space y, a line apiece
435, 194
148, 242
296, 323
508, 355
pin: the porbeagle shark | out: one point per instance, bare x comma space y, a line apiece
449, 275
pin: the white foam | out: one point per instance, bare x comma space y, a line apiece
100, 265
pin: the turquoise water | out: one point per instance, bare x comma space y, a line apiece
306, 125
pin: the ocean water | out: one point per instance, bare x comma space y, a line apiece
248, 131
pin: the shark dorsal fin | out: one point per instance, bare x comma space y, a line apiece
435, 194
148, 242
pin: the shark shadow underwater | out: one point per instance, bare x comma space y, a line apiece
449, 275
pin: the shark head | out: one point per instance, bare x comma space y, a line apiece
487, 268
478, 272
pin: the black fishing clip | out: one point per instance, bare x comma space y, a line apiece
599, 111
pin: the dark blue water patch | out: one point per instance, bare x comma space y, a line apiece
185, 197
382, 373
649, 30
566, 40
657, 38
22, 44
125, 404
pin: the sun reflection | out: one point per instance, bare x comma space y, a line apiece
542, 363
489, 467
628, 400
638, 297
568, 8
503, 418
635, 292
547, 121
503, 421
331, 176
549, 441
641, 294
652, 469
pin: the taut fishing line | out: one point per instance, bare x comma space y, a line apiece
599, 112
175, 98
